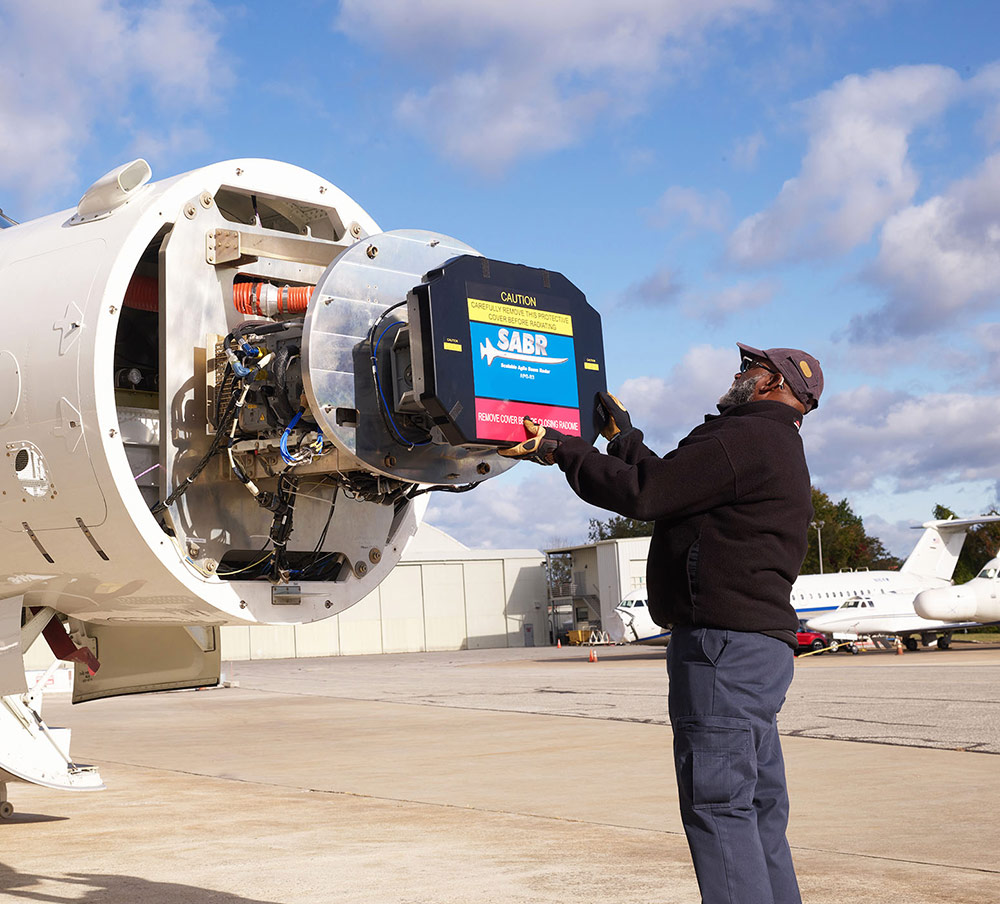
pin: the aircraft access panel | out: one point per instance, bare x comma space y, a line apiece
502, 341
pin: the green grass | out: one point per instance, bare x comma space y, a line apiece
980, 635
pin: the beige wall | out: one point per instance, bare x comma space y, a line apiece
472, 603
443, 604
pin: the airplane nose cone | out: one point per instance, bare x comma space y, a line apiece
818, 623
834, 623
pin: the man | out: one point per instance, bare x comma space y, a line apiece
731, 506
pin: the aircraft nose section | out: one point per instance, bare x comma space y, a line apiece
819, 623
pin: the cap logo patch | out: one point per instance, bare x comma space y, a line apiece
805, 368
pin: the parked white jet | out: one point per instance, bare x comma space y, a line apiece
850, 604
635, 623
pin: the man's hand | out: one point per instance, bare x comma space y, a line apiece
539, 446
616, 416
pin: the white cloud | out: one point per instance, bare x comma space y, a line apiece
520, 78
667, 408
533, 508
171, 140
663, 288
867, 436
491, 117
988, 338
716, 306
986, 83
899, 537
746, 150
691, 208
659, 288
68, 69
856, 171
940, 260
929, 362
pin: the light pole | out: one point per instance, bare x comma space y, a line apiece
819, 539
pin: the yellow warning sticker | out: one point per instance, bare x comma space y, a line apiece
520, 318
452, 346
590, 364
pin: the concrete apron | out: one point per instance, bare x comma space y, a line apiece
239, 796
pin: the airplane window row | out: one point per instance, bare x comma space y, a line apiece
835, 594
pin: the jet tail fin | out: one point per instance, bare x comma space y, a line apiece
938, 548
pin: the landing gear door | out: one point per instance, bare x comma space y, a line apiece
140, 659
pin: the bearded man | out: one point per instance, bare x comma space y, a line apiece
731, 506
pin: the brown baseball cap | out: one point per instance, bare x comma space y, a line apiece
802, 373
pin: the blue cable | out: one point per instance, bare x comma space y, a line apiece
285, 454
378, 386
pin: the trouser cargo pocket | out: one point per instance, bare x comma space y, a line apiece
716, 761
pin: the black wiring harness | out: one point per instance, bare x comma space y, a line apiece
245, 360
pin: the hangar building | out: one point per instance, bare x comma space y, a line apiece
591, 579
441, 596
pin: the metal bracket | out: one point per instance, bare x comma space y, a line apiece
289, 595
222, 246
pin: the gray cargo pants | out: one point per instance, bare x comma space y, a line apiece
726, 688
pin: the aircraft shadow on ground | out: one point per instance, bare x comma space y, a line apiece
24, 818
101, 888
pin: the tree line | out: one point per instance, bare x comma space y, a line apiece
846, 543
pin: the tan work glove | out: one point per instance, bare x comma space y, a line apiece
616, 416
539, 446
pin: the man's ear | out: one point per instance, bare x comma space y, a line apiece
775, 389
774, 383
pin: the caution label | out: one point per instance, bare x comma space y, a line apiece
498, 314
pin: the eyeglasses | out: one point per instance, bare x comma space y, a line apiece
750, 363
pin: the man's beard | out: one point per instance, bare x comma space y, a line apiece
741, 392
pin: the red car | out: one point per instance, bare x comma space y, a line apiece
810, 641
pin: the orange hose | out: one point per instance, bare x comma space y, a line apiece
265, 300
143, 293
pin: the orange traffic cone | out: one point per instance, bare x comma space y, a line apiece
593, 655
558, 644
899, 649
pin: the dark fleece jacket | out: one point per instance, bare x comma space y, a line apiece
732, 507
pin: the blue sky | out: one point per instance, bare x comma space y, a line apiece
823, 175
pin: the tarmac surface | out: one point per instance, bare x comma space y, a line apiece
523, 775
